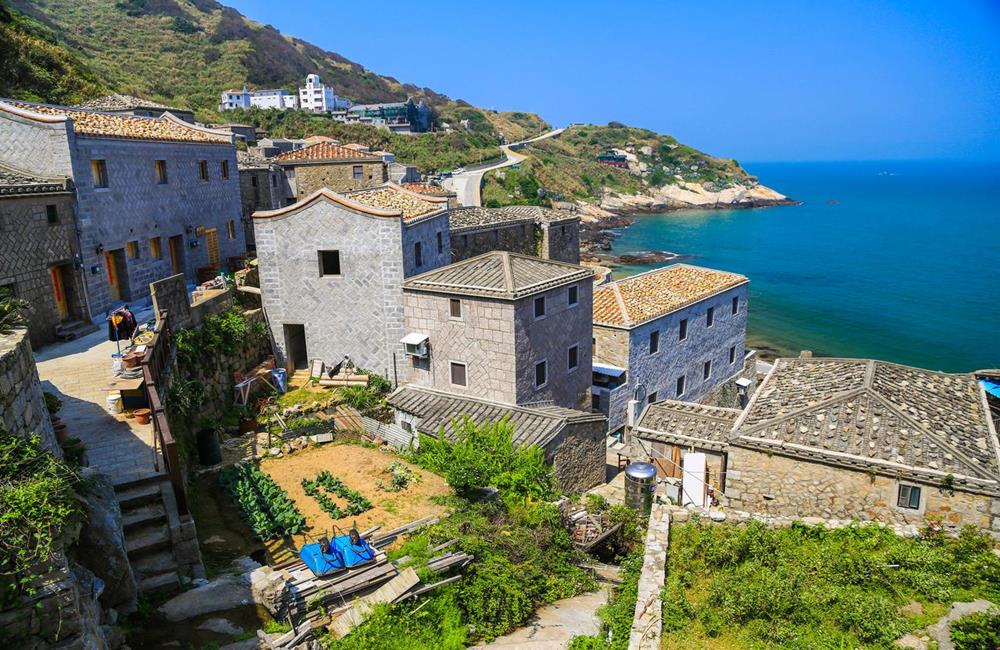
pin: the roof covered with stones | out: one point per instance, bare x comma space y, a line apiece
426, 188
16, 181
387, 200
687, 424
122, 102
638, 299
325, 151
438, 409
112, 125
498, 274
247, 160
875, 414
476, 217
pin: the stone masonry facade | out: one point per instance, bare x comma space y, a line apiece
560, 240
261, 188
513, 237
306, 178
577, 455
799, 488
22, 405
32, 250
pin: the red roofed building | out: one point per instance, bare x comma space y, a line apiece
333, 166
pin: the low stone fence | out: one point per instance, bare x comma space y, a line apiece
22, 405
648, 622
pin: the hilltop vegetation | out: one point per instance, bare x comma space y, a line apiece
566, 168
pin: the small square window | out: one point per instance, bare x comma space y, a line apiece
540, 307
203, 170
732, 354
573, 357
52, 214
541, 374
908, 497
329, 263
455, 308
710, 317
161, 172
654, 341
155, 251
132, 248
573, 295
99, 170
224, 165
458, 376
418, 255
736, 304
358, 172
680, 386
682, 331
706, 370
652, 397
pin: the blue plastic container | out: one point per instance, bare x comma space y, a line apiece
280, 376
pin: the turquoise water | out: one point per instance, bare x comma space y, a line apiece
893, 260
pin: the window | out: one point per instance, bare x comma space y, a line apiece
540, 307
440, 242
455, 308
541, 374
732, 354
652, 397
573, 295
253, 181
52, 214
458, 377
682, 331
418, 257
710, 317
99, 170
465, 240
225, 168
329, 263
231, 229
736, 304
358, 172
132, 248
562, 230
274, 181
161, 172
573, 357
155, 251
654, 342
909, 497
680, 385
706, 370
203, 170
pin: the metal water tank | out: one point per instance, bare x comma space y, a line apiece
640, 482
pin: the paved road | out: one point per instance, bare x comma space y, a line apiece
467, 184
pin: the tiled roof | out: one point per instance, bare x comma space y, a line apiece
876, 415
426, 188
324, 151
476, 217
247, 160
641, 298
540, 214
112, 125
498, 274
438, 409
16, 181
687, 423
120, 102
393, 197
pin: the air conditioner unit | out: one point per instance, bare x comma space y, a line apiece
416, 345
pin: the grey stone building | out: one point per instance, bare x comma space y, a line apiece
38, 253
524, 229
263, 186
672, 333
573, 441
502, 327
332, 166
154, 196
332, 268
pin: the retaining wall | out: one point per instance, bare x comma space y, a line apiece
22, 406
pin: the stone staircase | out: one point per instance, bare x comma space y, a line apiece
74, 329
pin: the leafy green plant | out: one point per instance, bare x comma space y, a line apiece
401, 477
979, 631
52, 402
263, 504
13, 311
617, 616
325, 481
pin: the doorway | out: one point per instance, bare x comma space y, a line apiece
212, 244
117, 274
176, 246
59, 292
295, 347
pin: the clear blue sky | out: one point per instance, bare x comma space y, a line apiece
796, 80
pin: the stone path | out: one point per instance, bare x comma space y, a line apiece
78, 372
554, 625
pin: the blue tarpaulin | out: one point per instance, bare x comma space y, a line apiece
342, 555
992, 387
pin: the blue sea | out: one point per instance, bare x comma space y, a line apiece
892, 260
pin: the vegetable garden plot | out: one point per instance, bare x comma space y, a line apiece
263, 504
325, 484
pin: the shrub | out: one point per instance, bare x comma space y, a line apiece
13, 311
52, 402
979, 631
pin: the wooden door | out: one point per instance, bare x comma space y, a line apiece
174, 245
113, 280
59, 292
212, 243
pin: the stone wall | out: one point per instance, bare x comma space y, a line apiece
561, 241
513, 237
337, 176
22, 406
171, 294
261, 188
578, 456
727, 394
40, 147
802, 488
30, 247
435, 244
647, 623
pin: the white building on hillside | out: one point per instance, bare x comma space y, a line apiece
275, 99
320, 98
233, 99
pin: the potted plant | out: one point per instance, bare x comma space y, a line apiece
248, 418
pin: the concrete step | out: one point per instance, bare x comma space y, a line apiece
162, 583
146, 540
155, 564
139, 495
136, 516
71, 330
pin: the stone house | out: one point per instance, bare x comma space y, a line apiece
430, 189
524, 229
153, 196
263, 186
332, 268
332, 166
868, 440
131, 105
676, 332
38, 252
573, 441
502, 327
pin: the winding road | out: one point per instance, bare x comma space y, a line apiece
467, 185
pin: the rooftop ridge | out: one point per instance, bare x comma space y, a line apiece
329, 194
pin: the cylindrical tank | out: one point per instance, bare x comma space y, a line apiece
640, 482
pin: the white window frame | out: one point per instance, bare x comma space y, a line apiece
682, 380
732, 354
706, 376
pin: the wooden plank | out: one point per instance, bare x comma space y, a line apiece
387, 593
